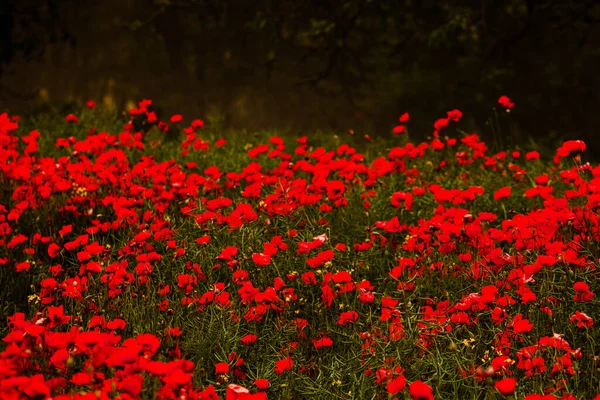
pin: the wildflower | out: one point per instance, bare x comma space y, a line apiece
235, 392
502, 193
72, 118
227, 253
59, 358
348, 317
53, 250
454, 115
506, 386
399, 129
419, 390
583, 320
323, 341
116, 324
521, 325
261, 259
571, 146
440, 124
23, 266
583, 293
284, 365
320, 259
396, 385
221, 368
262, 384
505, 102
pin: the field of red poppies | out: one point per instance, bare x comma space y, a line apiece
142, 258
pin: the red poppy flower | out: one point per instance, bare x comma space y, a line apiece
571, 146
227, 253
399, 197
53, 250
327, 295
256, 151
505, 102
36, 387
261, 259
366, 297
284, 365
71, 118
340, 247
320, 259
396, 385
583, 293
322, 342
502, 193
197, 123
581, 287
506, 386
454, 115
116, 324
440, 124
82, 378
173, 332
309, 278
348, 317
203, 240
59, 358
521, 325
335, 189
235, 392
249, 339
419, 390
262, 384
221, 368
399, 129
23, 266
582, 319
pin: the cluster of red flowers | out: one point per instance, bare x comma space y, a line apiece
94, 350
519, 239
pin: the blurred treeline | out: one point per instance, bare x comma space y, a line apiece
306, 64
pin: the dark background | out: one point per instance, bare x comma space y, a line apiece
307, 64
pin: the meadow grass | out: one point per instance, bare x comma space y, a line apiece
143, 259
